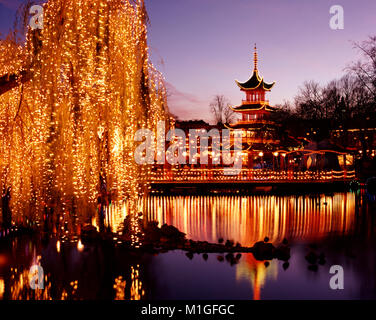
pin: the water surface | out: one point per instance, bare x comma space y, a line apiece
339, 226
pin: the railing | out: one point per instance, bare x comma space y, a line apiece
248, 175
246, 102
256, 121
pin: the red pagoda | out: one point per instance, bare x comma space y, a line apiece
259, 130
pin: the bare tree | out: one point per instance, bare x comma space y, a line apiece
365, 69
309, 100
220, 108
283, 111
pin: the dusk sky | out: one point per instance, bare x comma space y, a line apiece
202, 46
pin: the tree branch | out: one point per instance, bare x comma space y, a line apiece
8, 82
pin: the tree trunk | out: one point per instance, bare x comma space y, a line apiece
10, 81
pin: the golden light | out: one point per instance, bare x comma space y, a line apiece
2, 288
68, 132
80, 246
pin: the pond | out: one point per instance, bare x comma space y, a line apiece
339, 228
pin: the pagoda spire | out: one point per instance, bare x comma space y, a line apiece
255, 58
256, 81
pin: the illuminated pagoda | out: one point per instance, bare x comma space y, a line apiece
260, 138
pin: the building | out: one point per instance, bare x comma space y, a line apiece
262, 137
269, 152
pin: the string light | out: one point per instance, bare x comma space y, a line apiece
92, 87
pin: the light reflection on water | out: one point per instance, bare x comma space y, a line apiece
71, 273
254, 271
77, 271
247, 219
1, 288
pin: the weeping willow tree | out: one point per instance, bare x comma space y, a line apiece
72, 97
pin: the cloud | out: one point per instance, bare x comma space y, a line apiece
186, 105
175, 94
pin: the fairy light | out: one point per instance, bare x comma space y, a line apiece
92, 88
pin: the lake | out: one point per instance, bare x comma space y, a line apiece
338, 227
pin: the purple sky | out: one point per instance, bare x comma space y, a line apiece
202, 46
206, 44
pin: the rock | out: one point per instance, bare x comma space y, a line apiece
229, 243
172, 233
263, 251
152, 232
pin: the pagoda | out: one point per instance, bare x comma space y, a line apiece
260, 138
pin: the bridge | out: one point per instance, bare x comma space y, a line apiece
185, 179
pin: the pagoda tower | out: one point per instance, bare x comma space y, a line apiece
260, 138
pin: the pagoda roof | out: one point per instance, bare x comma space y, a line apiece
253, 107
255, 82
261, 125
